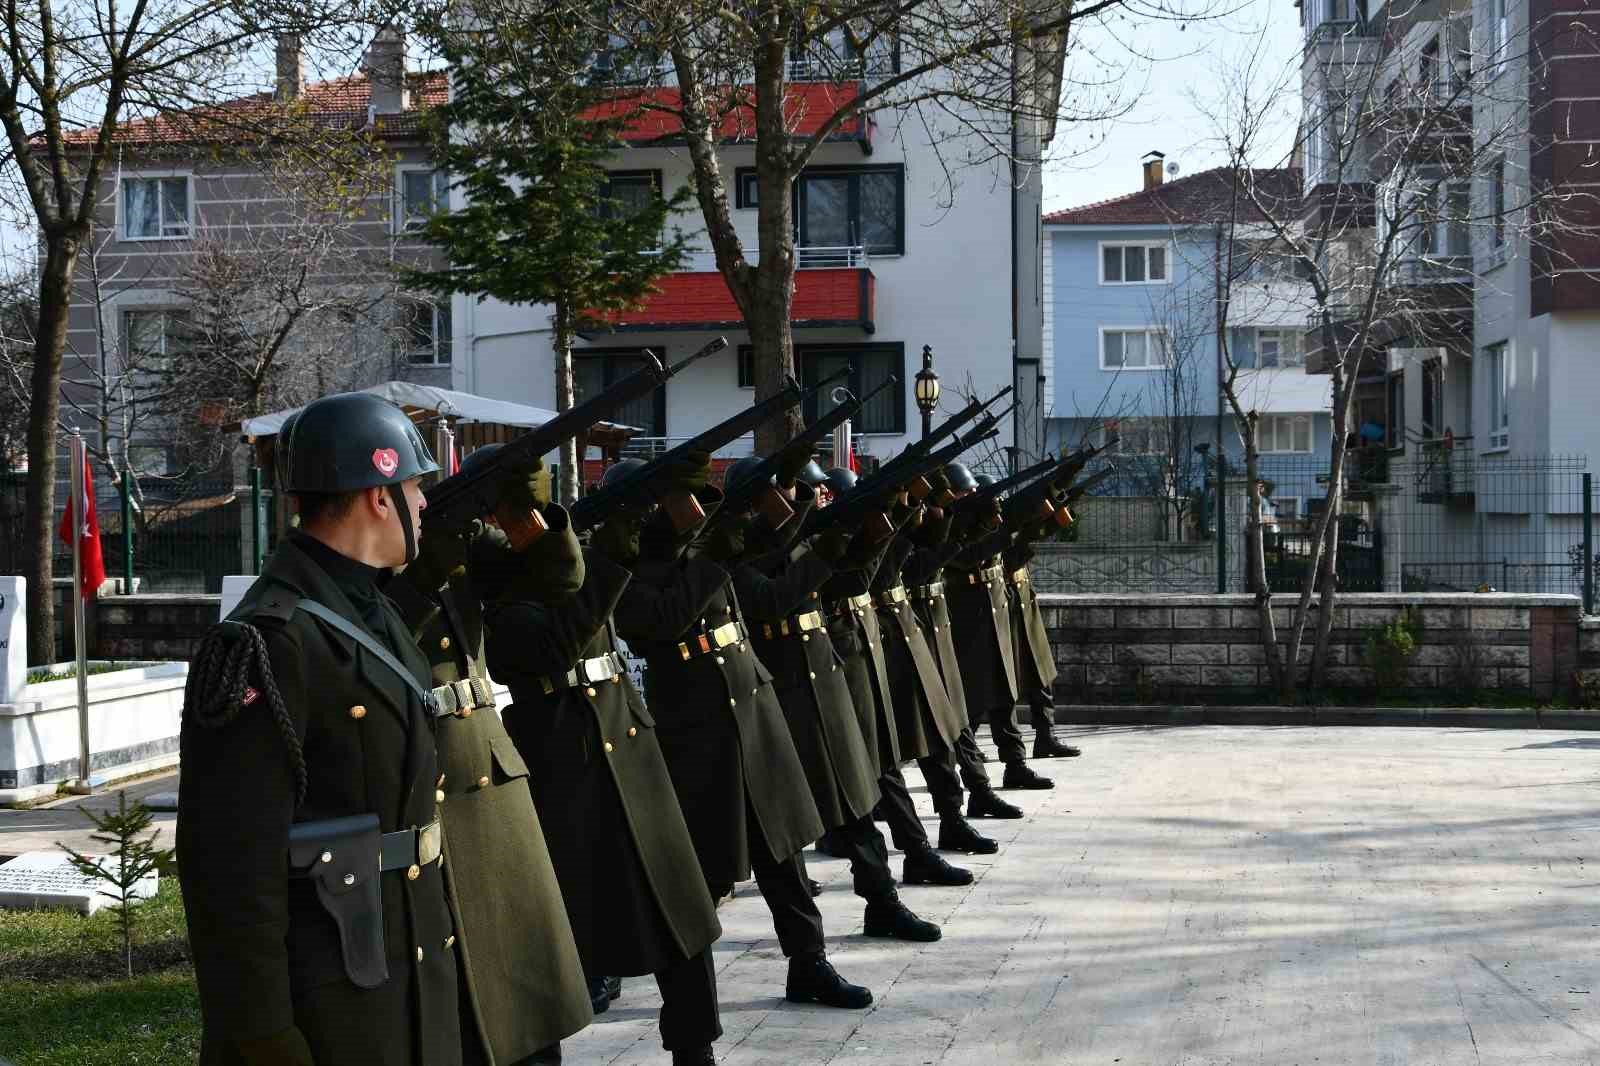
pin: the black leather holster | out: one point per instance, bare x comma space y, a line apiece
340, 855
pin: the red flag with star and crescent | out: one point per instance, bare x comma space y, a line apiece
80, 515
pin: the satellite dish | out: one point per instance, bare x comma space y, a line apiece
1172, 169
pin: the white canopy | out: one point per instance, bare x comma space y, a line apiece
460, 405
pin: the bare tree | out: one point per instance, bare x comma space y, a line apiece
71, 76
1411, 141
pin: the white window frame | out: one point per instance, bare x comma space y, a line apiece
1155, 331
1497, 395
158, 175
1286, 508
1277, 420
1288, 333
1499, 36
1164, 245
445, 344
1137, 436
403, 222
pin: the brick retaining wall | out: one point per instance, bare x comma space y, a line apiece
1144, 648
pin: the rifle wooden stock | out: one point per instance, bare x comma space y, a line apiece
521, 525
683, 511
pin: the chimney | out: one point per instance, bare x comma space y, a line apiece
385, 68
1153, 173
291, 68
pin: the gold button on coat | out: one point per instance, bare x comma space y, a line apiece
609, 747
720, 660
483, 782
632, 732
358, 712
438, 797
732, 702
412, 873
589, 691
444, 643
419, 948
449, 941
327, 856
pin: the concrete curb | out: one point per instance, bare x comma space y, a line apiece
1437, 717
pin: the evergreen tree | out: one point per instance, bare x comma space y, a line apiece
525, 138
134, 857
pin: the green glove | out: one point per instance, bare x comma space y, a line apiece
689, 474
525, 486
723, 539
617, 538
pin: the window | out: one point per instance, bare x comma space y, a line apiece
422, 193
1432, 398
424, 328
1497, 204
153, 337
1133, 349
1396, 394
747, 367
155, 209
1133, 264
1138, 436
1278, 348
1266, 261
628, 192
1500, 36
835, 58
746, 190
1498, 379
838, 207
1429, 76
595, 370
870, 366
1284, 433
1285, 508
151, 460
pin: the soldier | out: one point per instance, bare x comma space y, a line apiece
728, 748
308, 837
524, 984
1036, 666
621, 848
854, 632
981, 613
778, 585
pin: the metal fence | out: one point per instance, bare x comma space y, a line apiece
169, 538
1437, 520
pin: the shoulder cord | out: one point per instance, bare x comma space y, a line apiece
218, 679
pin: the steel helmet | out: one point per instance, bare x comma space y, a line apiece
348, 442
982, 480
840, 481
741, 471
478, 457
618, 470
960, 478
812, 475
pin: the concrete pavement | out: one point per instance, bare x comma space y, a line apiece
39, 828
1219, 895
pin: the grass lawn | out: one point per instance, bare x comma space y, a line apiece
64, 999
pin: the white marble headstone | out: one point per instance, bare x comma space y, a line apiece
234, 587
13, 638
48, 879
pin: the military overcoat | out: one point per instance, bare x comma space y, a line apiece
721, 728
922, 575
809, 680
621, 847
268, 958
920, 701
526, 986
1036, 661
853, 628
980, 610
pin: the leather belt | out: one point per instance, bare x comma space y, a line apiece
461, 698
800, 623
988, 573
1019, 577
890, 596
410, 847
931, 591
587, 672
725, 635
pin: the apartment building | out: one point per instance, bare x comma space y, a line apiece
1134, 345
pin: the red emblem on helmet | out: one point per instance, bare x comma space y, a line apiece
387, 460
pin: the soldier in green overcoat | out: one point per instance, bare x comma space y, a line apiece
308, 840
1036, 662
525, 986
733, 761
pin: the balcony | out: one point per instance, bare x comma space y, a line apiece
1447, 472
833, 288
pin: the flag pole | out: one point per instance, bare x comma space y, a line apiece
79, 638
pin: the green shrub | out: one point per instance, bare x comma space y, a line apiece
1390, 649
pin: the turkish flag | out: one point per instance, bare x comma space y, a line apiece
80, 515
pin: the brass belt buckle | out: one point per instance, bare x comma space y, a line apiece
430, 843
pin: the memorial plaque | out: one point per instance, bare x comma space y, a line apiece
42, 879
13, 639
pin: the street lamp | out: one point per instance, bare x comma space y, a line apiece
926, 390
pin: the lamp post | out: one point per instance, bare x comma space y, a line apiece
926, 390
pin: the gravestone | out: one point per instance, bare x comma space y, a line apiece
48, 879
234, 586
13, 638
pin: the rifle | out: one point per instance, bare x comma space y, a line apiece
862, 502
988, 493
643, 484
458, 499
1037, 500
759, 487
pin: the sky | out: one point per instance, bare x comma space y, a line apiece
1170, 75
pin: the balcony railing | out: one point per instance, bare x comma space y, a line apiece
1433, 270
807, 257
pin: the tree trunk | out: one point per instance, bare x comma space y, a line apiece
772, 296
1344, 392
55, 284
561, 321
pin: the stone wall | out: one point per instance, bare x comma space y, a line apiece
1164, 648
149, 626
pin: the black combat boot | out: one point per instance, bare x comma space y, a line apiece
600, 994
814, 887
1018, 775
1045, 744
890, 918
812, 979
956, 834
986, 804
826, 845
700, 1056
924, 866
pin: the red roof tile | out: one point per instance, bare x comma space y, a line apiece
338, 102
806, 106
833, 297
1204, 197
